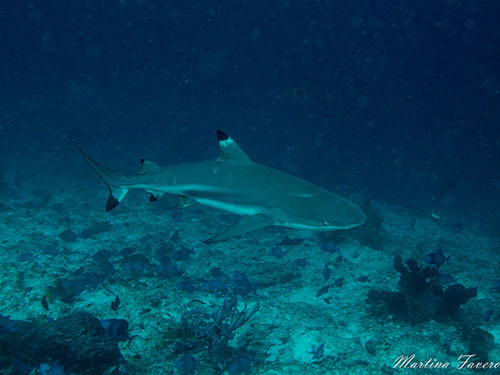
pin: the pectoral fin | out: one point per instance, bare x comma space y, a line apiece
245, 225
183, 202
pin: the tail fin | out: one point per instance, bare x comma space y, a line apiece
114, 181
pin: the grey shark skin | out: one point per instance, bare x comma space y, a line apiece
263, 196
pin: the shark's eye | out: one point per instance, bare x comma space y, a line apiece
326, 223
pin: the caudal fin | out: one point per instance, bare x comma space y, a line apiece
115, 181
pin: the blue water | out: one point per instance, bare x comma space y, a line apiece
397, 103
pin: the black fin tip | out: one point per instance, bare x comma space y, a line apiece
221, 136
111, 203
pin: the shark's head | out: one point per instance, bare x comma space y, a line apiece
323, 211
342, 215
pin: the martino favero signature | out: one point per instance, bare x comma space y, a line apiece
465, 361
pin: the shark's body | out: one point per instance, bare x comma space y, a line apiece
261, 195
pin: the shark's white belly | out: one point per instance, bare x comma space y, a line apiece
237, 209
207, 195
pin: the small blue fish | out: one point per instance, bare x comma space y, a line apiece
287, 241
277, 252
51, 250
318, 351
239, 283
45, 303
51, 369
214, 286
117, 329
487, 315
114, 304
327, 271
363, 279
25, 257
175, 237
330, 247
167, 268
241, 364
20, 367
323, 290
186, 285
177, 216
301, 262
186, 365
215, 271
126, 251
458, 228
67, 236
436, 258
6, 324
446, 278
496, 285
448, 350
339, 282
182, 254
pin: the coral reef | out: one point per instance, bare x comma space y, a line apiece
209, 333
79, 342
421, 295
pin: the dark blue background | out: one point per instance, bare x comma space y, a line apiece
398, 100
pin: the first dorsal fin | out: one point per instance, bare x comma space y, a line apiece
229, 149
148, 166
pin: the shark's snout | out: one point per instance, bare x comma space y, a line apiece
358, 216
344, 215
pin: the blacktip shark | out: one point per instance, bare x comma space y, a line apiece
263, 196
